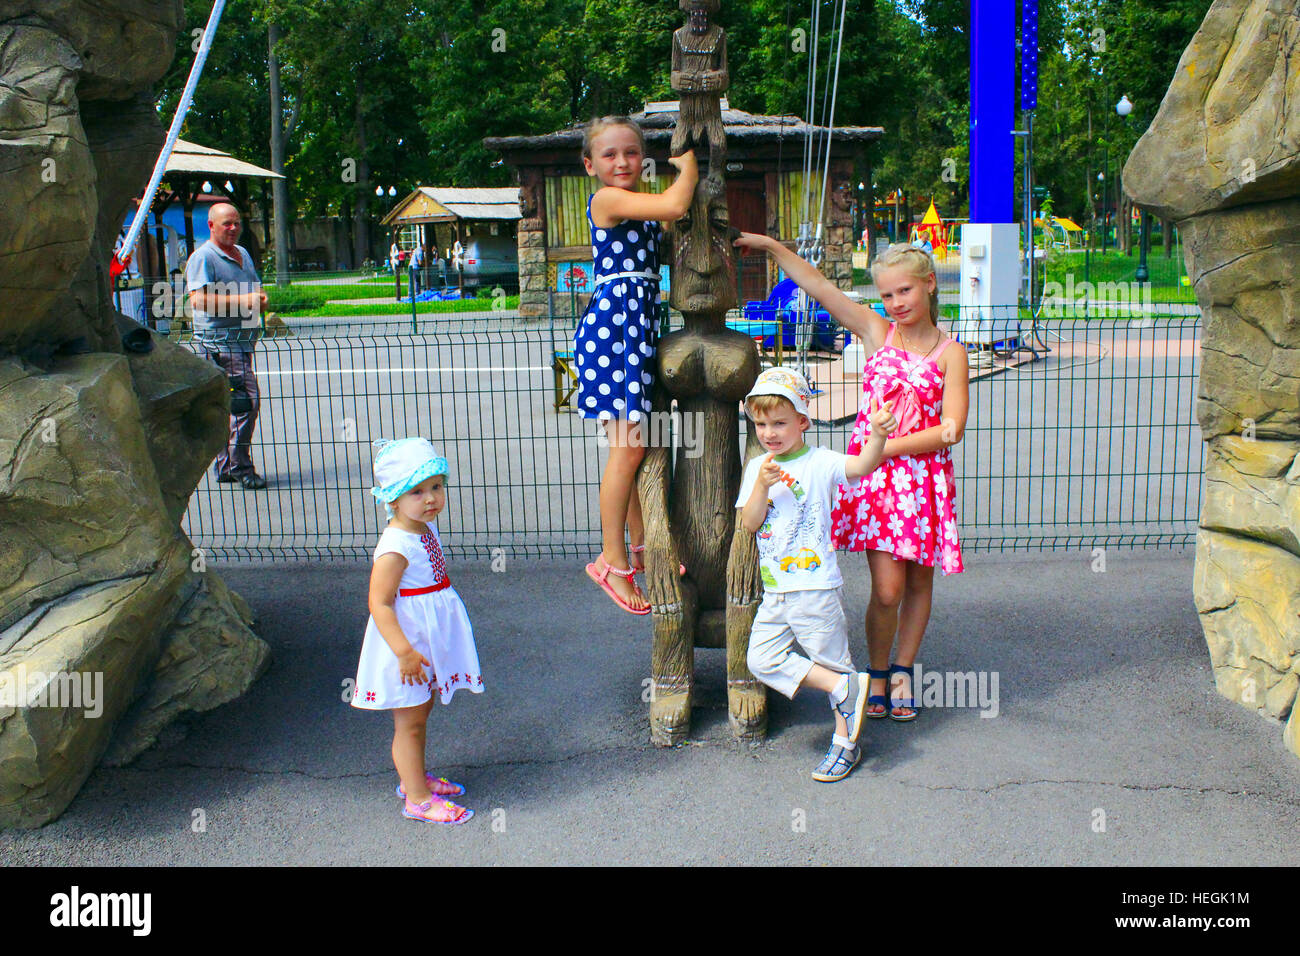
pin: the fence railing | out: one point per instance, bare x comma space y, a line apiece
1084, 437
161, 301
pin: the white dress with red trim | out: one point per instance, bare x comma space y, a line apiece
434, 620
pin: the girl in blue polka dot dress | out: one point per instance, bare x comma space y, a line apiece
614, 343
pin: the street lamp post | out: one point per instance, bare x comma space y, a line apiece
397, 275
1124, 107
1105, 197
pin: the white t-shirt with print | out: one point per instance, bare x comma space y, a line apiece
794, 543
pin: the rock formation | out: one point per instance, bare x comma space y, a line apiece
110, 622
1222, 157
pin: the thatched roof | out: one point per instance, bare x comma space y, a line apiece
740, 127
195, 160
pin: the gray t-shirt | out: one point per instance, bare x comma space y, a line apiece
209, 266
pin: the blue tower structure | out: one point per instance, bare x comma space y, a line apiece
990, 242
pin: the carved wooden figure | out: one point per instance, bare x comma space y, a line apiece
689, 505
699, 75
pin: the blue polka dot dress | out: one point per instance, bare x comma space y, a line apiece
614, 345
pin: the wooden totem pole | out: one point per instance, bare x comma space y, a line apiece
690, 506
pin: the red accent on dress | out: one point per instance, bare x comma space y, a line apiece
432, 549
907, 506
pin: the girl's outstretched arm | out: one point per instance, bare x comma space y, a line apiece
866, 323
956, 405
611, 205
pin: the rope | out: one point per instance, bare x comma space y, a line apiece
811, 234
830, 126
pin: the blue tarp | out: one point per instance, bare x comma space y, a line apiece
432, 295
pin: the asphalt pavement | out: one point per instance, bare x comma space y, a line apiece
1109, 746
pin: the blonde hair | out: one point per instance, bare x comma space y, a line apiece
915, 262
598, 126
767, 404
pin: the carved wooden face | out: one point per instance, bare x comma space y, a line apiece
704, 266
843, 195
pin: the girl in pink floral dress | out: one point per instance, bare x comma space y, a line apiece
903, 514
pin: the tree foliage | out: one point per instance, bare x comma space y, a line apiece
408, 89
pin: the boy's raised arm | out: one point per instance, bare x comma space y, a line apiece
755, 509
868, 459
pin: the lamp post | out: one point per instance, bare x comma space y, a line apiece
1124, 107
1101, 178
397, 275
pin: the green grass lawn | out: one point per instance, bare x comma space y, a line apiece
300, 299
1166, 274
510, 303
301, 292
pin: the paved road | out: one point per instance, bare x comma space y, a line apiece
1106, 706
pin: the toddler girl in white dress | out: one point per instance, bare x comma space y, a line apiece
418, 638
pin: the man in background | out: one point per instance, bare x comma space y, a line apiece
227, 299
417, 267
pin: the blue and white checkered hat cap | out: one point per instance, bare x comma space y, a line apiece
401, 465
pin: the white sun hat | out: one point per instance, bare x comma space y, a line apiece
785, 382
401, 465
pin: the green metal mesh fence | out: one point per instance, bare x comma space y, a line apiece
1093, 443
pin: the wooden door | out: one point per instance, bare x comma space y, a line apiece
746, 205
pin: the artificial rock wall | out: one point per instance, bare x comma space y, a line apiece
1223, 158
100, 447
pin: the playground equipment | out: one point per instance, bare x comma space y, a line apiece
781, 313
1062, 233
932, 229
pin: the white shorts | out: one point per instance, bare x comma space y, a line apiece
813, 618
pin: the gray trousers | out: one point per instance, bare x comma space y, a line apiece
236, 458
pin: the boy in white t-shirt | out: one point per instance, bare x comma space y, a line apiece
786, 499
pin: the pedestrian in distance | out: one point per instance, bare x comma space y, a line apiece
228, 302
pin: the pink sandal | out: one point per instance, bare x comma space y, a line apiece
599, 571
638, 549
438, 786
437, 811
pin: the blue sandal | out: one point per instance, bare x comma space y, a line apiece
881, 699
908, 703
854, 706
839, 760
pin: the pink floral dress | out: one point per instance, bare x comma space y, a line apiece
907, 505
